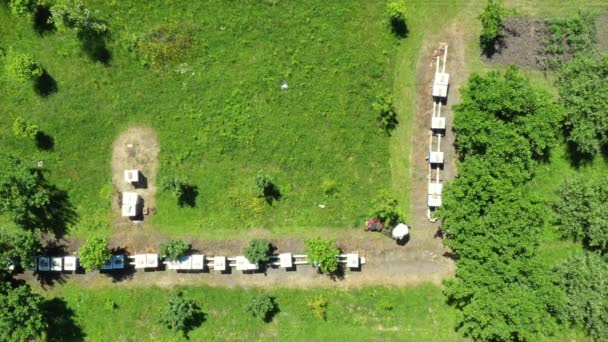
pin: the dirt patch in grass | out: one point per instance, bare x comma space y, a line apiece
522, 43
601, 36
136, 148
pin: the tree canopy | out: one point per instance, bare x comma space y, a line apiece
94, 253
179, 314
258, 251
323, 253
18, 246
21, 317
174, 249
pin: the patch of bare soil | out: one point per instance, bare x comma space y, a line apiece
522, 43
601, 36
136, 148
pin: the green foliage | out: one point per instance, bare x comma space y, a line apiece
262, 185
492, 221
179, 314
17, 247
384, 305
23, 191
94, 253
318, 306
173, 185
258, 251
22, 8
329, 187
162, 46
323, 253
584, 94
174, 249
584, 279
387, 116
580, 208
262, 306
73, 15
396, 11
22, 129
22, 67
386, 209
569, 37
21, 317
492, 22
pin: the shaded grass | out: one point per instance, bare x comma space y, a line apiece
418, 314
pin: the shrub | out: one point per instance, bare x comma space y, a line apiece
387, 116
73, 15
323, 253
385, 305
492, 22
94, 253
318, 306
172, 184
386, 209
174, 249
262, 185
22, 8
179, 314
21, 315
258, 251
22, 129
22, 67
262, 307
329, 187
395, 12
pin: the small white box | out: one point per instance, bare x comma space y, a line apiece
436, 158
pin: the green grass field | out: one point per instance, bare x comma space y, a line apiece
122, 314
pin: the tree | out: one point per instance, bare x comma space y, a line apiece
94, 253
262, 185
323, 253
584, 279
73, 15
386, 209
262, 306
395, 12
258, 251
22, 67
174, 249
23, 191
492, 23
22, 8
21, 317
179, 314
23, 129
17, 247
172, 184
387, 116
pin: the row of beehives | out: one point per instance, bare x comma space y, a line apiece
190, 262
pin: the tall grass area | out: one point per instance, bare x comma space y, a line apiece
129, 314
218, 108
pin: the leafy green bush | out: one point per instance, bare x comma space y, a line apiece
22, 129
22, 8
258, 251
384, 305
173, 185
395, 12
94, 253
387, 116
492, 23
262, 306
583, 278
329, 187
73, 15
22, 67
179, 314
21, 315
323, 253
174, 249
569, 37
386, 209
318, 306
262, 184
17, 247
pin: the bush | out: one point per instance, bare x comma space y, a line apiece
395, 12
387, 116
73, 15
22, 67
258, 251
262, 185
94, 253
385, 305
492, 22
22, 129
22, 8
323, 253
179, 314
386, 209
262, 307
173, 185
174, 249
329, 187
318, 306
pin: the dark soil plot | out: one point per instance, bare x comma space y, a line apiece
522, 43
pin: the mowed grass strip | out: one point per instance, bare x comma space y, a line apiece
417, 314
219, 110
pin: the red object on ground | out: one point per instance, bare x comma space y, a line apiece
373, 225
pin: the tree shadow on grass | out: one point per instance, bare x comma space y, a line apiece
60, 320
56, 215
95, 46
45, 85
42, 24
197, 319
188, 196
44, 141
272, 194
399, 28
272, 313
577, 159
